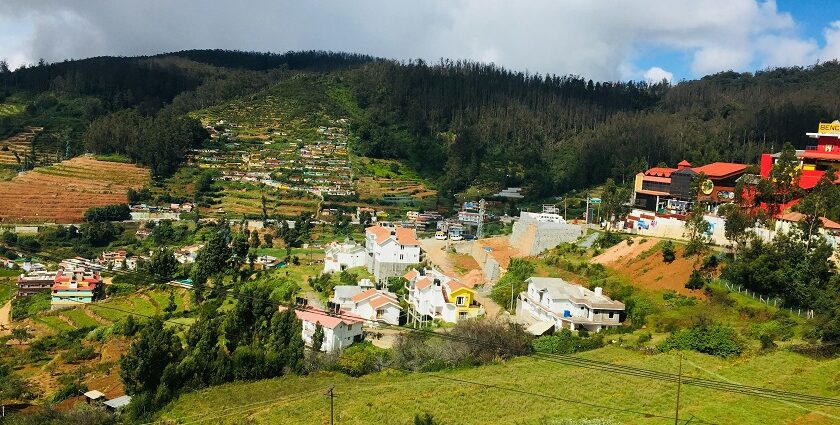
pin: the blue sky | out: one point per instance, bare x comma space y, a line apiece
598, 39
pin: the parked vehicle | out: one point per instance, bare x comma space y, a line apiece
456, 237
441, 236
469, 237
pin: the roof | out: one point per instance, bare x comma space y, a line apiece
364, 295
455, 285
684, 163
118, 402
347, 291
411, 274
539, 328
796, 217
423, 283
657, 179
326, 320
660, 171
382, 299
720, 170
652, 192
94, 394
560, 289
402, 235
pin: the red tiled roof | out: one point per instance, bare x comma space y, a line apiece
411, 274
382, 300
721, 169
402, 235
423, 283
796, 217
684, 163
660, 171
832, 156
652, 192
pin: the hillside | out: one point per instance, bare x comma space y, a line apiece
395, 397
461, 125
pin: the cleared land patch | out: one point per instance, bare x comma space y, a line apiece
61, 193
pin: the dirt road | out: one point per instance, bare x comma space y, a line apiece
6, 318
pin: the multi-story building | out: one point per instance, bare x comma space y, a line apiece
340, 330
34, 282
668, 190
390, 250
433, 295
377, 306
568, 306
72, 288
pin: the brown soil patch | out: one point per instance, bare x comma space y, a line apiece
646, 269
463, 262
500, 249
63, 192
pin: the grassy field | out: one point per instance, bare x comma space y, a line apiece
10, 109
395, 397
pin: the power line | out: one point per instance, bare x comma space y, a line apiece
776, 395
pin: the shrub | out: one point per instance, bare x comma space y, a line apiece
669, 253
361, 359
695, 281
116, 212
565, 342
77, 353
608, 239
711, 339
23, 307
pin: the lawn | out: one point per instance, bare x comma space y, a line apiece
395, 397
79, 318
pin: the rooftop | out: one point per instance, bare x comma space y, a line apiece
560, 289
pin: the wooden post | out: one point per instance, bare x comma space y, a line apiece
331, 395
679, 387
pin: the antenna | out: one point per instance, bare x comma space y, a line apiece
479, 232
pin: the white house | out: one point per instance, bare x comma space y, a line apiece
390, 250
340, 331
567, 305
373, 305
433, 295
342, 256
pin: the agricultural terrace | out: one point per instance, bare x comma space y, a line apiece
61, 193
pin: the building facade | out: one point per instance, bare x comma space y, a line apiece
34, 282
75, 287
568, 306
433, 295
390, 250
340, 331
342, 256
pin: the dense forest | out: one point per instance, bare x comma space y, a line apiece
461, 124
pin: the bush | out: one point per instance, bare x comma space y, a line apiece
714, 339
669, 253
77, 353
361, 359
565, 342
116, 212
696, 281
23, 307
608, 239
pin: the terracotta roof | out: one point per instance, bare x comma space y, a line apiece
684, 163
455, 285
832, 156
721, 169
660, 171
382, 300
796, 217
363, 295
402, 235
313, 315
411, 274
423, 283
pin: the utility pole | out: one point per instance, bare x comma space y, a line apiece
679, 387
586, 217
331, 395
479, 232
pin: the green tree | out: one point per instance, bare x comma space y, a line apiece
154, 348
696, 281
669, 254
613, 201
512, 283
318, 337
736, 227
21, 335
163, 265
171, 305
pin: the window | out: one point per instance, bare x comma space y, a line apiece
611, 315
460, 300
462, 315
401, 256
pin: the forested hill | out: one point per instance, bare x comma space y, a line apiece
462, 124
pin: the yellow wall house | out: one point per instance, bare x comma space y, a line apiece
466, 307
433, 295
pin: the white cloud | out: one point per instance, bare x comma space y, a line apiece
598, 39
656, 74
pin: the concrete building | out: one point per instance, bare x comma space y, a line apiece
339, 331
568, 306
34, 282
74, 288
390, 250
342, 256
433, 295
534, 233
377, 306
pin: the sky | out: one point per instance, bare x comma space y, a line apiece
605, 40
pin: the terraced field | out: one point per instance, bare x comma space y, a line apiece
20, 144
61, 193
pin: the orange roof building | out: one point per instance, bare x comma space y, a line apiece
390, 251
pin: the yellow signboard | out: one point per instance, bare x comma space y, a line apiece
833, 127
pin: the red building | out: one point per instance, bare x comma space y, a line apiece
668, 190
814, 160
